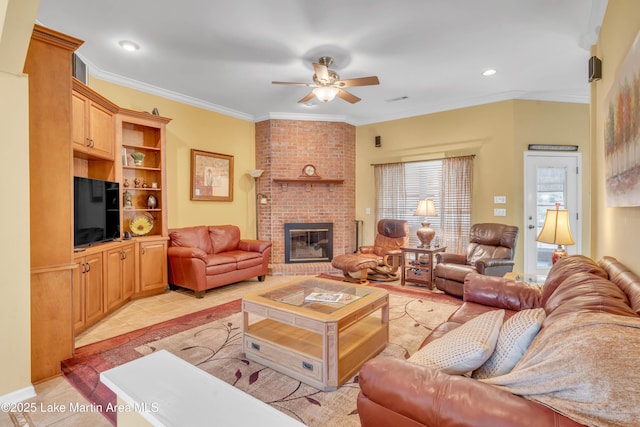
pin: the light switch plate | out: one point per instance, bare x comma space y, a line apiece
499, 200
368, 211
499, 212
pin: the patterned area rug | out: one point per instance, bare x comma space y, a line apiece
212, 340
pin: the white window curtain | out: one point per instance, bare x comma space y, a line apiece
390, 191
400, 186
457, 188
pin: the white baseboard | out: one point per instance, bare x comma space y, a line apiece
19, 395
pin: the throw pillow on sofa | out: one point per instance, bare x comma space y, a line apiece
465, 348
515, 336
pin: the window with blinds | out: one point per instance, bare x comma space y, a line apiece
423, 181
400, 186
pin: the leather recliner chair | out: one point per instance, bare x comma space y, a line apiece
380, 261
392, 235
490, 252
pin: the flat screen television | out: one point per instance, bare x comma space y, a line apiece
96, 211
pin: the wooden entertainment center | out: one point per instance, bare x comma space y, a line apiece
74, 131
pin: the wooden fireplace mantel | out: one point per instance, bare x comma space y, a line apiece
308, 182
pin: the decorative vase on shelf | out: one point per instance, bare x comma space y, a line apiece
152, 202
127, 198
137, 158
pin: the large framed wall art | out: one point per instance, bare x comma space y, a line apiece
211, 176
622, 133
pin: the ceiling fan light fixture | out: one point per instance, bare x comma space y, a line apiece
325, 93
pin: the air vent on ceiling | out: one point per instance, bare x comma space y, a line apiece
400, 98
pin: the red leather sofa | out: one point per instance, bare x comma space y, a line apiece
396, 392
206, 257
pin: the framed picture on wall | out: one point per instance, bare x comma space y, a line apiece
211, 176
621, 135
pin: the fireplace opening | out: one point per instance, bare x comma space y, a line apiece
308, 242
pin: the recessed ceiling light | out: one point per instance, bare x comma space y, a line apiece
128, 45
489, 72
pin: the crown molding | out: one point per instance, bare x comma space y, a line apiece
96, 72
474, 102
304, 117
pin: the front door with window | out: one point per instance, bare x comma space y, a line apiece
549, 178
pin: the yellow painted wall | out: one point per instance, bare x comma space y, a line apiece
615, 230
557, 123
197, 128
16, 23
497, 134
15, 323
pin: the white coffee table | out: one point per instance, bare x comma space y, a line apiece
163, 390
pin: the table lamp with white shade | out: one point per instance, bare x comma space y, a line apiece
556, 231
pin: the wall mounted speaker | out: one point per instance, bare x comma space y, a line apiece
79, 69
595, 69
378, 142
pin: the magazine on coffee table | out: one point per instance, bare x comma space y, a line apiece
324, 297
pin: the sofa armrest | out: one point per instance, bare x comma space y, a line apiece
254, 245
185, 252
494, 266
443, 257
500, 292
390, 386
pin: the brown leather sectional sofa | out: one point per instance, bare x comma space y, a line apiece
396, 392
206, 257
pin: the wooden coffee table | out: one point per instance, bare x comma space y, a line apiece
322, 344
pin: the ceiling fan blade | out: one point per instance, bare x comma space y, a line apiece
294, 84
307, 98
322, 72
343, 94
362, 81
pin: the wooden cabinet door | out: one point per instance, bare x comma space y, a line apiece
113, 279
153, 265
93, 287
101, 130
128, 271
92, 127
79, 122
78, 297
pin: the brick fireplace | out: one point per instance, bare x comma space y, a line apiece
283, 148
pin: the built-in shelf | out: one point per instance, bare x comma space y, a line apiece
308, 182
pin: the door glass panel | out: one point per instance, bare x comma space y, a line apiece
551, 189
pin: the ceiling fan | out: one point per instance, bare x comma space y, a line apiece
327, 84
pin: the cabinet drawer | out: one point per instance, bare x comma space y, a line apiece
282, 356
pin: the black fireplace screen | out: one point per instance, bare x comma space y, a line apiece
308, 242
